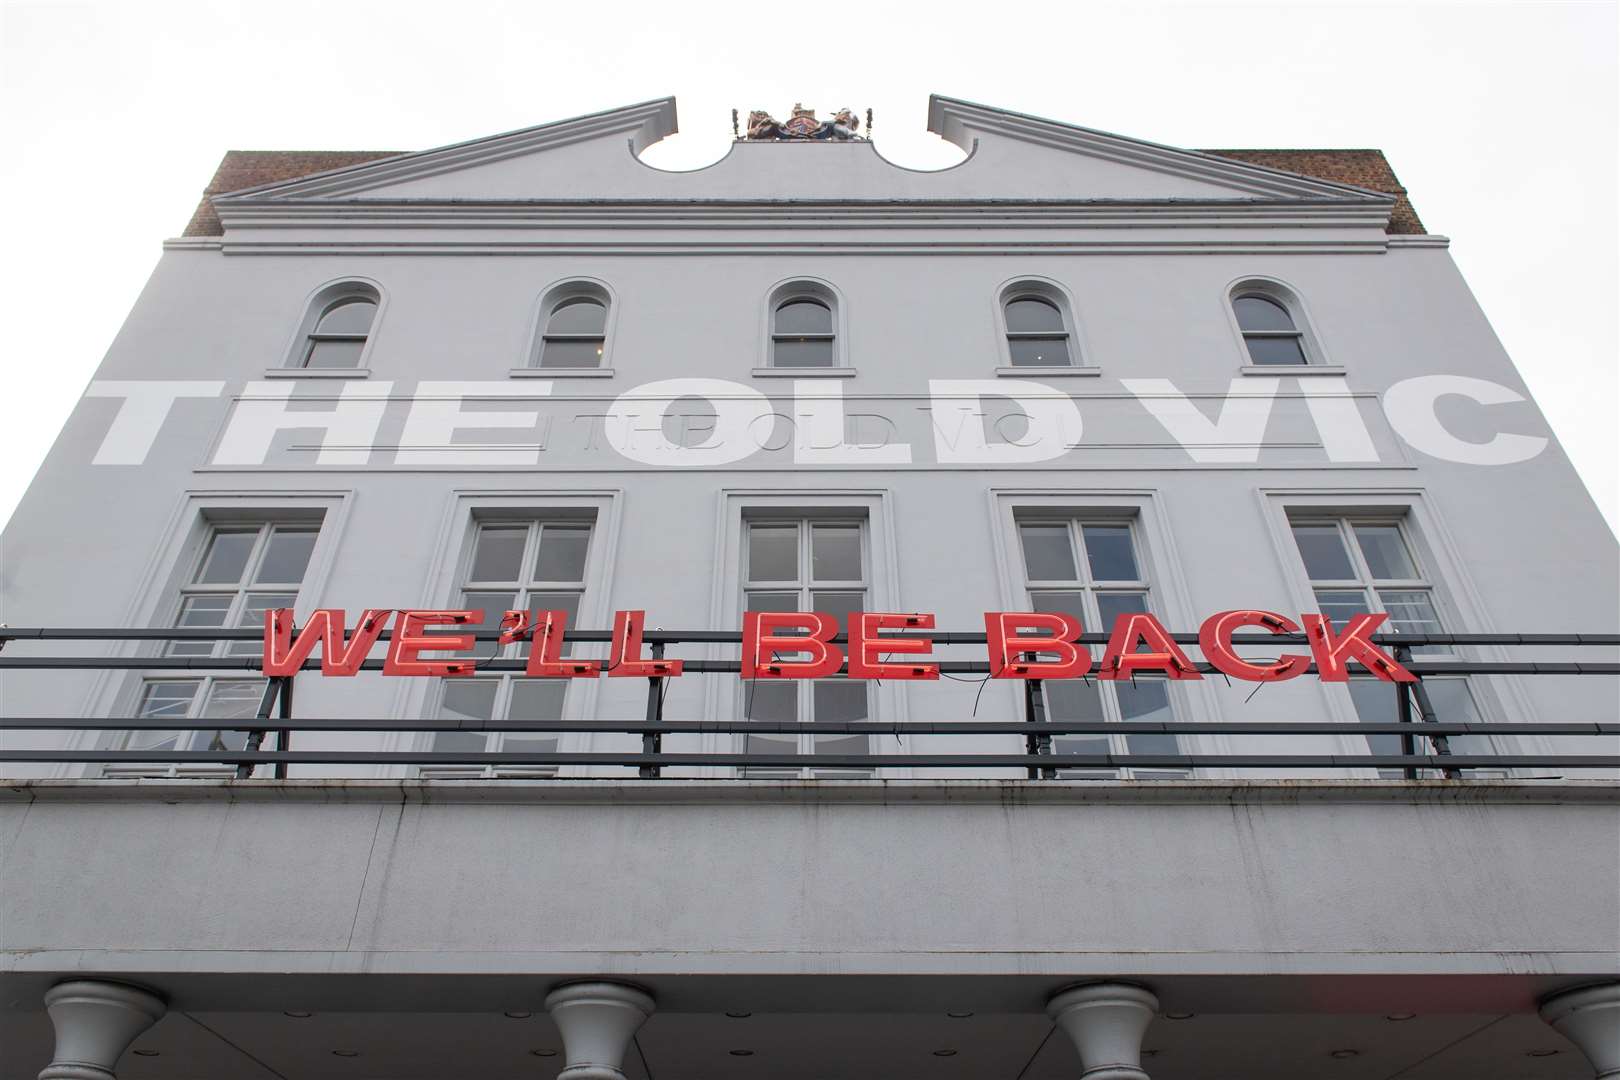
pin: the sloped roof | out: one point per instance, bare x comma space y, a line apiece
242, 169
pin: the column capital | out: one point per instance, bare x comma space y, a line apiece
1106, 1022
597, 1021
1589, 1017
95, 1023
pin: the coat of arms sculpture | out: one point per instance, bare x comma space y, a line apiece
802, 126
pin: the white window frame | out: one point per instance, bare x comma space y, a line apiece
551, 298
453, 551
805, 288
1459, 604
1054, 293
804, 586
524, 589
317, 304
1291, 301
156, 599
1156, 552
723, 695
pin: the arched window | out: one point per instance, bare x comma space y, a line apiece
338, 337
1269, 331
1037, 335
802, 334
575, 332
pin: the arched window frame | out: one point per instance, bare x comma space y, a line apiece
321, 301
1036, 288
805, 289
555, 296
1288, 298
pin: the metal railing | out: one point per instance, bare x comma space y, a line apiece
274, 720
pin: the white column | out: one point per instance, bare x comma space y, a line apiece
95, 1023
1106, 1022
1589, 1018
597, 1020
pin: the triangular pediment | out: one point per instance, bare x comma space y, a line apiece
1010, 156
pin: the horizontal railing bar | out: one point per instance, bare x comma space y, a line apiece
734, 637
828, 727
252, 664
827, 761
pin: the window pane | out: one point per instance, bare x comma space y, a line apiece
1411, 611
352, 316
229, 700
200, 611
1453, 702
1340, 604
571, 353
1322, 549
562, 553
1111, 605
804, 317
1385, 552
560, 601
227, 556
334, 354
773, 553
1048, 554
1031, 315
838, 604
1147, 700
835, 553
538, 699
1075, 701
581, 315
494, 605
802, 352
773, 601
1038, 352
840, 701
1109, 553
166, 700
469, 699
286, 557
234, 699
1275, 350
499, 553
252, 617
1258, 313
773, 701
1374, 700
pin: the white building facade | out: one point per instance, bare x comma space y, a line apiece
1076, 373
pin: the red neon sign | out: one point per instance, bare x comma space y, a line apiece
799, 645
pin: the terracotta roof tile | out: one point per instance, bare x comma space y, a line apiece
242, 169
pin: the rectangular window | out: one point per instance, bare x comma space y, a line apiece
1089, 568
514, 565
244, 570
806, 564
1360, 564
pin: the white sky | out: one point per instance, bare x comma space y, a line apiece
1500, 119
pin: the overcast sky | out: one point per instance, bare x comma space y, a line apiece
1500, 119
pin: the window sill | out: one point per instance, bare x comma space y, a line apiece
318, 373
804, 373
1292, 369
1059, 372
561, 373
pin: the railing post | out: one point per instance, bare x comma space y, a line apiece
284, 735
1403, 713
1035, 716
255, 736
651, 741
